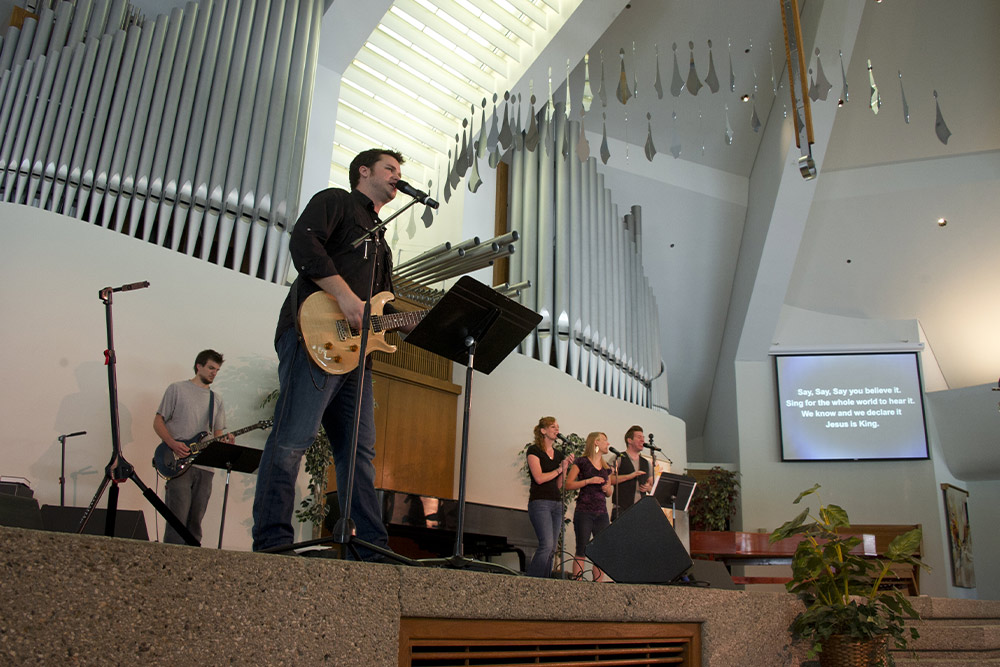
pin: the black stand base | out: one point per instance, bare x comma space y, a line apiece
462, 563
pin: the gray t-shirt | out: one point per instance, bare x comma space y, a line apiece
184, 409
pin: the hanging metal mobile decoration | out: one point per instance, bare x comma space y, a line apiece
712, 79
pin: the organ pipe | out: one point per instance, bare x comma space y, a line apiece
187, 129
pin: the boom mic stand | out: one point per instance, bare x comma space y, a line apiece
118, 469
344, 529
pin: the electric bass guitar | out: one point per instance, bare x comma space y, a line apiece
333, 344
169, 465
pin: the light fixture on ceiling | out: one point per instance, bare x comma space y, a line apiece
942, 222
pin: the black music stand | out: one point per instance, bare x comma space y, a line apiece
674, 491
478, 327
229, 457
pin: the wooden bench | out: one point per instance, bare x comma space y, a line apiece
735, 548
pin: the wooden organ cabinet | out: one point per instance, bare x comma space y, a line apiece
416, 411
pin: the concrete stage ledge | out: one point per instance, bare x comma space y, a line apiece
82, 599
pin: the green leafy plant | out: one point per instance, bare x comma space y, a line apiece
714, 501
842, 589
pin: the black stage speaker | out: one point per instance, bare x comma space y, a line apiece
19, 511
713, 573
640, 547
128, 523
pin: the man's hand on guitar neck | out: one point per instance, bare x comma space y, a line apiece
350, 305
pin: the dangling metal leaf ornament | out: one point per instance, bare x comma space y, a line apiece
701, 133
650, 148
732, 76
875, 101
754, 118
583, 146
605, 153
940, 128
462, 162
531, 137
676, 82
906, 107
495, 157
729, 129
428, 215
506, 135
474, 179
481, 145
395, 230
588, 95
602, 91
454, 178
491, 141
411, 228
675, 141
518, 128
844, 96
548, 118
623, 93
635, 73
821, 87
447, 181
774, 80
712, 79
658, 85
693, 82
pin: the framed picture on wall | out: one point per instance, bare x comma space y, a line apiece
956, 504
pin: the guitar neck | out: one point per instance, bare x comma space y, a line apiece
197, 447
394, 321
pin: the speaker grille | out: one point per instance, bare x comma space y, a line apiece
448, 643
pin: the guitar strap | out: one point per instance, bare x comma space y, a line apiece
211, 413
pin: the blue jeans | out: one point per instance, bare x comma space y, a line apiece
307, 398
547, 518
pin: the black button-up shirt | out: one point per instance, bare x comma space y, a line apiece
321, 246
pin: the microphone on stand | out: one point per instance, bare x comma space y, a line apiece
615, 451
652, 447
419, 195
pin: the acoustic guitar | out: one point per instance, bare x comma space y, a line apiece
169, 465
333, 344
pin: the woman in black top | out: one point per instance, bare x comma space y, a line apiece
546, 467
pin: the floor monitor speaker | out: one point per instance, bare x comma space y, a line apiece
128, 523
640, 547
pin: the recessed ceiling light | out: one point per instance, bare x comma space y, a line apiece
942, 222
745, 98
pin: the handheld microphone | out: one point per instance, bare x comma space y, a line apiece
419, 195
561, 438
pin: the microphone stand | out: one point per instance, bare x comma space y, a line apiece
344, 529
62, 467
118, 469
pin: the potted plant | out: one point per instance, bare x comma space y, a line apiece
714, 501
845, 607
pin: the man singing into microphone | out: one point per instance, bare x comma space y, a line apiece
631, 468
323, 253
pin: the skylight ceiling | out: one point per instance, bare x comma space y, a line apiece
425, 68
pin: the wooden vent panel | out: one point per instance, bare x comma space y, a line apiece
427, 642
